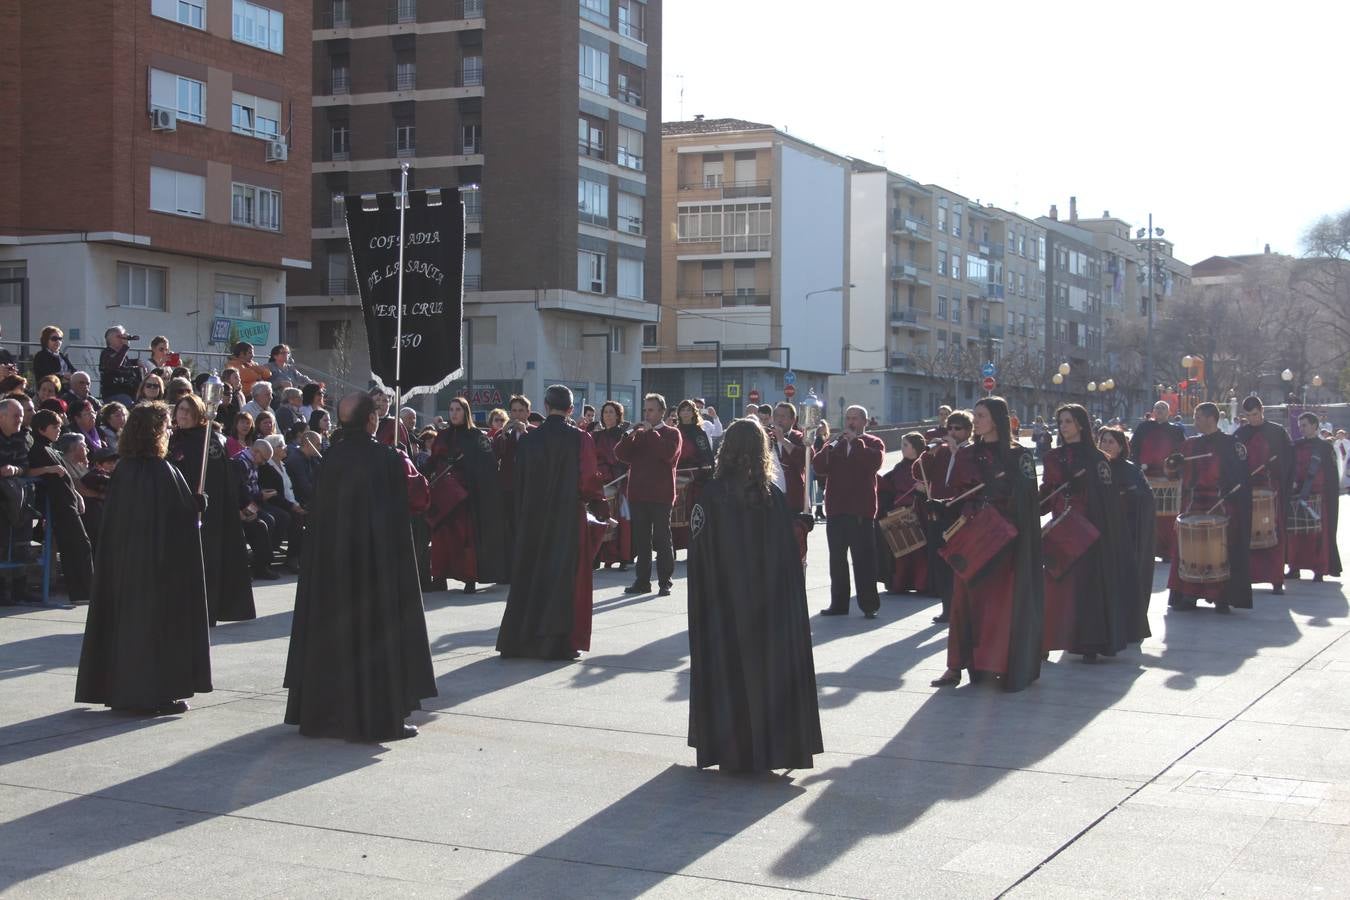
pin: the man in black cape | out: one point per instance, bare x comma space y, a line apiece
1270, 458
1154, 440
229, 589
146, 642
752, 688
1136, 561
1315, 476
359, 662
548, 611
1215, 473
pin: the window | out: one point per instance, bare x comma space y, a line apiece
471, 138
258, 26
630, 148
341, 141
977, 268
942, 214
956, 220
180, 193
632, 79
632, 19
956, 309
473, 206
596, 11
712, 278
405, 75
593, 202
631, 279
713, 171
473, 270
942, 262
141, 286
743, 276
941, 308
255, 207
339, 76
405, 11
649, 336
630, 213
591, 136
590, 271
235, 305
12, 294
256, 116
185, 12
405, 140
741, 227
616, 341
593, 65
472, 71
334, 334
186, 95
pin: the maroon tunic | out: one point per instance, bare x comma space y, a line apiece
909, 572
1315, 477
1153, 442
1267, 450
619, 550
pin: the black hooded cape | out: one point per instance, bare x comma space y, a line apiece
473, 451
699, 438
752, 678
1234, 477
359, 660
1279, 446
1098, 604
146, 640
1137, 516
538, 619
229, 589
1325, 453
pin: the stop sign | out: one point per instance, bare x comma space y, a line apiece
753, 395
989, 382
789, 391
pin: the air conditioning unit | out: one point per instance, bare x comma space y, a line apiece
163, 119
277, 151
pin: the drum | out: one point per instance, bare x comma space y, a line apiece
975, 540
903, 531
1305, 516
1202, 548
1064, 540
1264, 533
1166, 496
679, 514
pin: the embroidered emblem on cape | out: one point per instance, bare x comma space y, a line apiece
697, 518
1028, 467
1103, 471
215, 450
1241, 450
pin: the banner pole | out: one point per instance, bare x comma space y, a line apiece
398, 328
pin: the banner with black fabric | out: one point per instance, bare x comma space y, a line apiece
432, 245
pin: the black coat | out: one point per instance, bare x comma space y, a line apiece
146, 639
229, 589
752, 677
45, 362
359, 661
1138, 519
470, 451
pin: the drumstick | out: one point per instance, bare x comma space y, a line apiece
617, 480
1197, 456
975, 490
1238, 487
1051, 495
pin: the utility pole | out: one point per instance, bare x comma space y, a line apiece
717, 348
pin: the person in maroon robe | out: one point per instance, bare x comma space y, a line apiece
1270, 458
611, 430
788, 445
936, 466
851, 462
548, 611
1154, 440
651, 450
468, 517
1313, 505
695, 463
909, 572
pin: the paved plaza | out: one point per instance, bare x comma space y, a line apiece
1216, 762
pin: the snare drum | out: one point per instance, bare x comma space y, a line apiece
1264, 533
1166, 496
1305, 516
679, 514
1064, 540
973, 541
1202, 548
903, 531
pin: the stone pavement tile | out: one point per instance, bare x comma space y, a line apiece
995, 858
1312, 698
1288, 849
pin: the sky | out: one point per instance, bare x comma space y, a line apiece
1227, 121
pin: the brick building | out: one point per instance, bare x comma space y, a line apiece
547, 119
154, 164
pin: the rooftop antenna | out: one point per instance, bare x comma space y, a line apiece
680, 79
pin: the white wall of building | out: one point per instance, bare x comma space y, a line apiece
812, 257
867, 321
732, 325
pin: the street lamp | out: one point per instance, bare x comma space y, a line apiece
1064, 369
1057, 378
1149, 233
717, 347
609, 354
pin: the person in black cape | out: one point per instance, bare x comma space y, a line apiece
1138, 518
359, 661
229, 589
146, 642
548, 610
1315, 475
752, 678
463, 452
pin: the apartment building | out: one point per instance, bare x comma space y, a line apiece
756, 268
1075, 327
154, 168
545, 118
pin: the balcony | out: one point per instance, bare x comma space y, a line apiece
992, 331
337, 287
403, 81
995, 250
339, 84
340, 16
403, 149
901, 362
470, 76
910, 272
729, 190
403, 12
993, 291
714, 298
473, 282
908, 317
471, 9
911, 226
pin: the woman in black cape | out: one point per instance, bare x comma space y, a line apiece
752, 684
146, 643
1138, 519
229, 589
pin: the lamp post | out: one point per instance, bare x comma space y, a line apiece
717, 348
1151, 233
609, 354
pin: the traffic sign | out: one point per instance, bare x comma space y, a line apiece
789, 377
989, 382
753, 396
789, 391
734, 391
988, 371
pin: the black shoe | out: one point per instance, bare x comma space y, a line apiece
1317, 579
638, 587
470, 587
1223, 609
948, 678
1089, 657
665, 590
596, 566
623, 567
1292, 575
1277, 589
870, 615
942, 619
409, 731
267, 574
172, 708
831, 611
